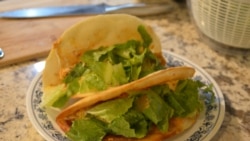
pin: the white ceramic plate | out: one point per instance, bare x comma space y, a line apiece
204, 129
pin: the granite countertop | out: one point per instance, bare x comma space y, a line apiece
178, 35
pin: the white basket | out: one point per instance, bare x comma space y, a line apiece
225, 21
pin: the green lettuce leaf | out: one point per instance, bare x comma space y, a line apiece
71, 89
128, 49
121, 127
187, 94
132, 125
103, 70
110, 110
207, 91
87, 130
119, 76
150, 64
178, 108
147, 40
155, 109
138, 122
75, 73
52, 95
93, 56
90, 81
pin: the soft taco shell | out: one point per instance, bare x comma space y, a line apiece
92, 33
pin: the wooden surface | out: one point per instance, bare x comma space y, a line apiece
26, 39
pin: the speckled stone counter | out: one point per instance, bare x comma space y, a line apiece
178, 35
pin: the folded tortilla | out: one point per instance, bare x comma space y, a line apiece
89, 34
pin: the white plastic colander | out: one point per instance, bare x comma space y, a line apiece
225, 21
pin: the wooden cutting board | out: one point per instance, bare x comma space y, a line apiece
22, 40
27, 39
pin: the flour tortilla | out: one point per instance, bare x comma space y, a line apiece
92, 33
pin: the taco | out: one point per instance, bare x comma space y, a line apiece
108, 77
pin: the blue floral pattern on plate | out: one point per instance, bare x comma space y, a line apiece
204, 129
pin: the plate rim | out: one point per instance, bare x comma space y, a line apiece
29, 105
209, 136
